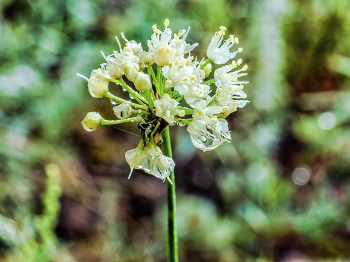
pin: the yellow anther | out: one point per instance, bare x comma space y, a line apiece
243, 95
233, 79
225, 108
182, 32
167, 49
192, 78
187, 63
232, 39
239, 61
234, 64
168, 82
222, 28
177, 62
218, 92
166, 22
240, 49
185, 79
176, 37
218, 35
156, 30
236, 103
241, 86
245, 67
200, 112
236, 40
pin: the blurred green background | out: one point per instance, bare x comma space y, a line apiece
280, 191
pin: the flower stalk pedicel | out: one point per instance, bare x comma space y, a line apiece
157, 94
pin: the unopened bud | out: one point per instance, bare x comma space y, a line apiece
98, 84
142, 82
92, 121
131, 70
124, 110
207, 69
162, 57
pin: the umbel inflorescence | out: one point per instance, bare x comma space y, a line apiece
178, 92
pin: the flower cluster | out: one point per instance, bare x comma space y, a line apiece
170, 87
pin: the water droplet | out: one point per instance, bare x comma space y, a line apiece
131, 96
113, 101
124, 89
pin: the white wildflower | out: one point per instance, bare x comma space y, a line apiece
166, 108
218, 53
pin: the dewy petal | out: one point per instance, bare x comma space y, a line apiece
151, 160
220, 54
208, 133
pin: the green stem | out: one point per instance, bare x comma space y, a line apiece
121, 100
171, 198
209, 82
114, 122
132, 92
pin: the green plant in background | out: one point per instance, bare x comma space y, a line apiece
177, 79
35, 239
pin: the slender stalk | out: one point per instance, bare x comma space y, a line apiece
171, 198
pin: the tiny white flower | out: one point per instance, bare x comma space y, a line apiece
165, 48
92, 121
208, 133
134, 158
123, 110
196, 93
166, 108
98, 84
220, 54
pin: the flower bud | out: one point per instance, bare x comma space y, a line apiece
114, 69
162, 57
142, 82
207, 69
124, 110
98, 84
131, 70
92, 121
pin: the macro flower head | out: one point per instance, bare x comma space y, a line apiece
168, 86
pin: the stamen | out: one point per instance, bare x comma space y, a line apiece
182, 32
239, 61
166, 22
245, 68
87, 79
104, 56
234, 64
218, 91
236, 40
218, 35
243, 95
240, 50
222, 28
